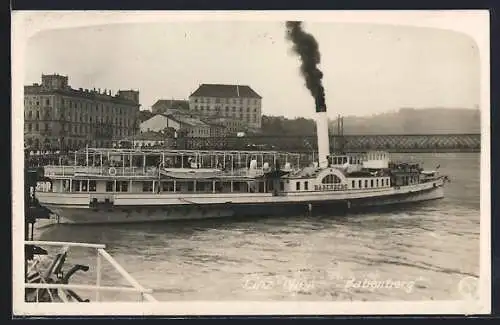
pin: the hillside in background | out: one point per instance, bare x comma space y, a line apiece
415, 121
403, 121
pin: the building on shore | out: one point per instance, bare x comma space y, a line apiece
237, 102
189, 125
56, 116
168, 106
159, 122
144, 140
231, 127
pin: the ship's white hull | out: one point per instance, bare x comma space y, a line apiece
134, 215
414, 197
149, 210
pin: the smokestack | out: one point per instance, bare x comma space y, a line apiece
323, 138
306, 47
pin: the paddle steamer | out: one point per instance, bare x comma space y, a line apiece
104, 185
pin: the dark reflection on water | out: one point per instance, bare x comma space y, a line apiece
411, 253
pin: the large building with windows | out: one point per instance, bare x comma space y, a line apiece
57, 116
236, 102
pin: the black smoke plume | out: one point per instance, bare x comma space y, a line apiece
306, 47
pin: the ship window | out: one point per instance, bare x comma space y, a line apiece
124, 186
366, 183
359, 183
282, 186
330, 179
353, 184
167, 186
306, 186
65, 185
377, 182
204, 186
92, 186
109, 186
147, 186
371, 183
261, 187
76, 186
297, 185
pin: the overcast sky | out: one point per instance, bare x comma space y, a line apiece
368, 69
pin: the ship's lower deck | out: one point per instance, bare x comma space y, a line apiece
133, 213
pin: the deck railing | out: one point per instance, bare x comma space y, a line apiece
145, 294
70, 171
54, 170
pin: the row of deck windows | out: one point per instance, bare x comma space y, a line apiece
214, 186
79, 186
119, 186
166, 186
370, 183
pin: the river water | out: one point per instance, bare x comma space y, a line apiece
419, 252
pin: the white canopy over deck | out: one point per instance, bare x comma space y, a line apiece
121, 158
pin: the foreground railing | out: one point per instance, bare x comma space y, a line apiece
145, 294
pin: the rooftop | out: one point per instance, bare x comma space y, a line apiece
171, 104
191, 121
225, 91
177, 112
94, 94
